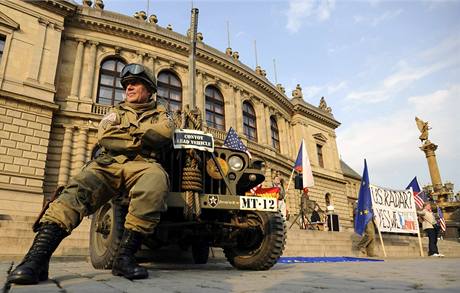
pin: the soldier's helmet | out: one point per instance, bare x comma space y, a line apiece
134, 71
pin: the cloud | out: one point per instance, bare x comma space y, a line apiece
375, 21
390, 142
301, 10
315, 91
408, 71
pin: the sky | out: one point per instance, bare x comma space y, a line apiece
379, 64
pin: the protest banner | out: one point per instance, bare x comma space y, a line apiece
395, 211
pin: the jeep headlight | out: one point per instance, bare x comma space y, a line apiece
236, 163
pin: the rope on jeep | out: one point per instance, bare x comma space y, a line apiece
191, 174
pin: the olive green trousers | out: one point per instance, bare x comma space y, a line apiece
367, 242
99, 181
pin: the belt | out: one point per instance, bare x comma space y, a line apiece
131, 155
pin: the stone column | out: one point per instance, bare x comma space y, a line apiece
429, 149
88, 93
239, 112
140, 57
200, 99
74, 90
80, 150
283, 137
64, 166
230, 110
37, 53
150, 63
296, 143
268, 126
88, 71
260, 118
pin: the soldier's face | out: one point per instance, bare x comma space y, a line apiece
136, 92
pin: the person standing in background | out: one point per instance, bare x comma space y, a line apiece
431, 228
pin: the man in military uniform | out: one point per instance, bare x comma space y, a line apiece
130, 136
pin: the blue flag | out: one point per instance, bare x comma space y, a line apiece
364, 209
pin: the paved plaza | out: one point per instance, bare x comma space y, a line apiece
391, 275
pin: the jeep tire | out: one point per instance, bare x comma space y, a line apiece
258, 247
105, 234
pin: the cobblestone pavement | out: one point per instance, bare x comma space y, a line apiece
392, 275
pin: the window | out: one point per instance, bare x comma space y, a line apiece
328, 199
2, 45
249, 121
169, 91
215, 115
275, 133
110, 89
319, 151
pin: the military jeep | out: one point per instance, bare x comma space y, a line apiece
216, 213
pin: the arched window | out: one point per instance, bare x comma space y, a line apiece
169, 90
110, 89
215, 115
249, 122
275, 133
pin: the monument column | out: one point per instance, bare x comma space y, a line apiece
429, 149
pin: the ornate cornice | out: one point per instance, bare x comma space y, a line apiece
314, 113
131, 28
61, 7
128, 27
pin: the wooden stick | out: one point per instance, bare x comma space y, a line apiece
381, 242
420, 240
289, 184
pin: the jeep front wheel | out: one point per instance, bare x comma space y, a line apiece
105, 234
260, 246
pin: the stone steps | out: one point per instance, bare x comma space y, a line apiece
17, 237
324, 243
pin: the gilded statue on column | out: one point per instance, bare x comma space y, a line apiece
423, 127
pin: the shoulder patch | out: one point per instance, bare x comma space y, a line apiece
109, 119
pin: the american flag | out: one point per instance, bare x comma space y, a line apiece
442, 222
233, 142
419, 195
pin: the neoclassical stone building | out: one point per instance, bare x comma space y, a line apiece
59, 65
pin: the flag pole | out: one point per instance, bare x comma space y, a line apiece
381, 241
420, 241
289, 184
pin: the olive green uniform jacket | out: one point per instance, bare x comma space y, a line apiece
130, 137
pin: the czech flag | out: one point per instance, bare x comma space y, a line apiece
302, 165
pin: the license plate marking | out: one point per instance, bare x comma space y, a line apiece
258, 203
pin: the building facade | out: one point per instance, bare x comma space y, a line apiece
59, 70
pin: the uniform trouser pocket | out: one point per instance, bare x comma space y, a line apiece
85, 193
149, 188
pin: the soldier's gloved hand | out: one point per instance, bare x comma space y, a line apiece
155, 140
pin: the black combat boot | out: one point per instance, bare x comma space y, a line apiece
34, 266
125, 264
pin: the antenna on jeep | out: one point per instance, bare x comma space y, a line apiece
192, 58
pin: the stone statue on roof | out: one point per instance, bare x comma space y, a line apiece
297, 92
323, 105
